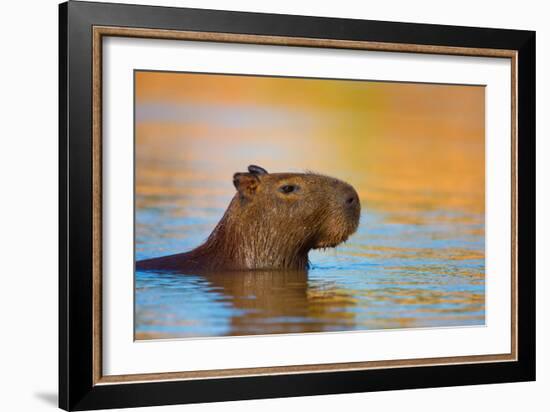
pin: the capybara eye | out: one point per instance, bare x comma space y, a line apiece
286, 189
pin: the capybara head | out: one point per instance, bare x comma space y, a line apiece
279, 217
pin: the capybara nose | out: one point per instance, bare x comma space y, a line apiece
351, 199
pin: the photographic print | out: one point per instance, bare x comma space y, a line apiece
281, 205
263, 205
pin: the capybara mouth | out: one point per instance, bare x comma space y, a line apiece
338, 230
333, 241
325, 244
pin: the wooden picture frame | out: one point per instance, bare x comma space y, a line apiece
83, 26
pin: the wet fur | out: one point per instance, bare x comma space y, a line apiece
264, 228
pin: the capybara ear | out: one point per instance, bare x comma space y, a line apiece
245, 183
257, 170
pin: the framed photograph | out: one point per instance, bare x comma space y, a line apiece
256, 205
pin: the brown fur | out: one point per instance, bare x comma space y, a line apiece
266, 228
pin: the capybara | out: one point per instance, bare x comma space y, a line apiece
272, 222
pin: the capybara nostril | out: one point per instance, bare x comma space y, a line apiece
351, 199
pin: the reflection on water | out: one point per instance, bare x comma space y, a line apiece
415, 154
419, 281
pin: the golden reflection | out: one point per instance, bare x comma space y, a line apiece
282, 301
279, 298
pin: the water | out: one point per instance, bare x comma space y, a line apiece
417, 259
386, 276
